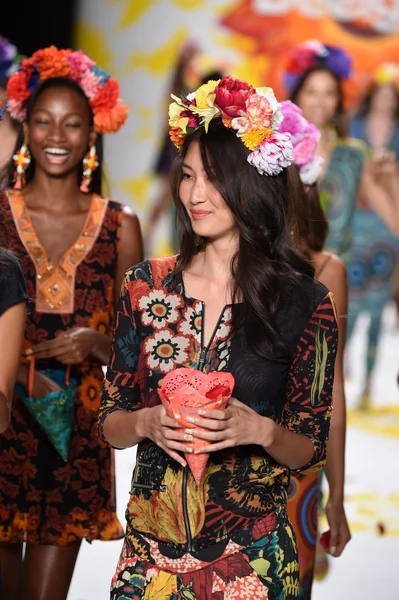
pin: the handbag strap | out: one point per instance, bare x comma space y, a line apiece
31, 376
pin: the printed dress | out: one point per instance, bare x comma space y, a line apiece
44, 500
373, 261
230, 536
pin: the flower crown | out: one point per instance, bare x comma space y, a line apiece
304, 138
312, 53
254, 114
9, 58
101, 89
387, 73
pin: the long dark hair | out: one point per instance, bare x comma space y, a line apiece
309, 225
340, 123
267, 265
365, 105
58, 82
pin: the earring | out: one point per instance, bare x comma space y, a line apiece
22, 161
90, 164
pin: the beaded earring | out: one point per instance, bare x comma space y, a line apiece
90, 164
22, 161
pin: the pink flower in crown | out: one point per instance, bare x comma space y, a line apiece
293, 120
273, 154
304, 150
90, 84
259, 114
79, 62
16, 109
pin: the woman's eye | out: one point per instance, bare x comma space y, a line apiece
186, 176
73, 125
41, 122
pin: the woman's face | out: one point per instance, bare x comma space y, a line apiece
319, 98
59, 131
208, 212
384, 99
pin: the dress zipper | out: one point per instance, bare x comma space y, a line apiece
201, 365
190, 546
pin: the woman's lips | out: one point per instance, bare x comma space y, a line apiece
199, 214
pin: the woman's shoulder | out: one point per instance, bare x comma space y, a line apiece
154, 271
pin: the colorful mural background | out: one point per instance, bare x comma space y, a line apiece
139, 41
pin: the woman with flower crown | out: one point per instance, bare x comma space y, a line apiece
75, 247
310, 231
375, 247
239, 298
315, 78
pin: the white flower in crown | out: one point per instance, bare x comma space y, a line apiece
272, 155
310, 172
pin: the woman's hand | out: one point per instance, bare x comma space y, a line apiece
161, 429
43, 385
339, 529
236, 425
71, 347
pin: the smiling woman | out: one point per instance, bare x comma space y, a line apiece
75, 247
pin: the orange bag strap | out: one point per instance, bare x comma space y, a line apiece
31, 376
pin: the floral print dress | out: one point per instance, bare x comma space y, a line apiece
230, 536
44, 500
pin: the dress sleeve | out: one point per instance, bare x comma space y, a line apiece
120, 389
309, 389
12, 283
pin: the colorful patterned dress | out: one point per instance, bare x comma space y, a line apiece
230, 536
373, 261
338, 193
44, 500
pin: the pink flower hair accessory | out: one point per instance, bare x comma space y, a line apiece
304, 137
312, 53
253, 113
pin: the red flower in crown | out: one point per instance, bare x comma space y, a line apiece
303, 59
106, 96
231, 95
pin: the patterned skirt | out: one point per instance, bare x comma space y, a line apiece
266, 569
302, 505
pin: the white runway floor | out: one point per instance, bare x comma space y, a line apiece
368, 569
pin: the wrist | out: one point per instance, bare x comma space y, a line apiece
268, 432
140, 421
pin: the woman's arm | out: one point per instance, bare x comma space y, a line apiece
12, 325
299, 440
335, 278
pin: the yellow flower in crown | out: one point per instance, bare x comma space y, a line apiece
176, 120
205, 103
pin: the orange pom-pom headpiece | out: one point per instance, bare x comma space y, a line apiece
101, 90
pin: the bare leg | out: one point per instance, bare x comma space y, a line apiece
47, 571
11, 561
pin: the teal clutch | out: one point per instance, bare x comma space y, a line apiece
54, 411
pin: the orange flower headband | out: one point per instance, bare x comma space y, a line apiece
101, 89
